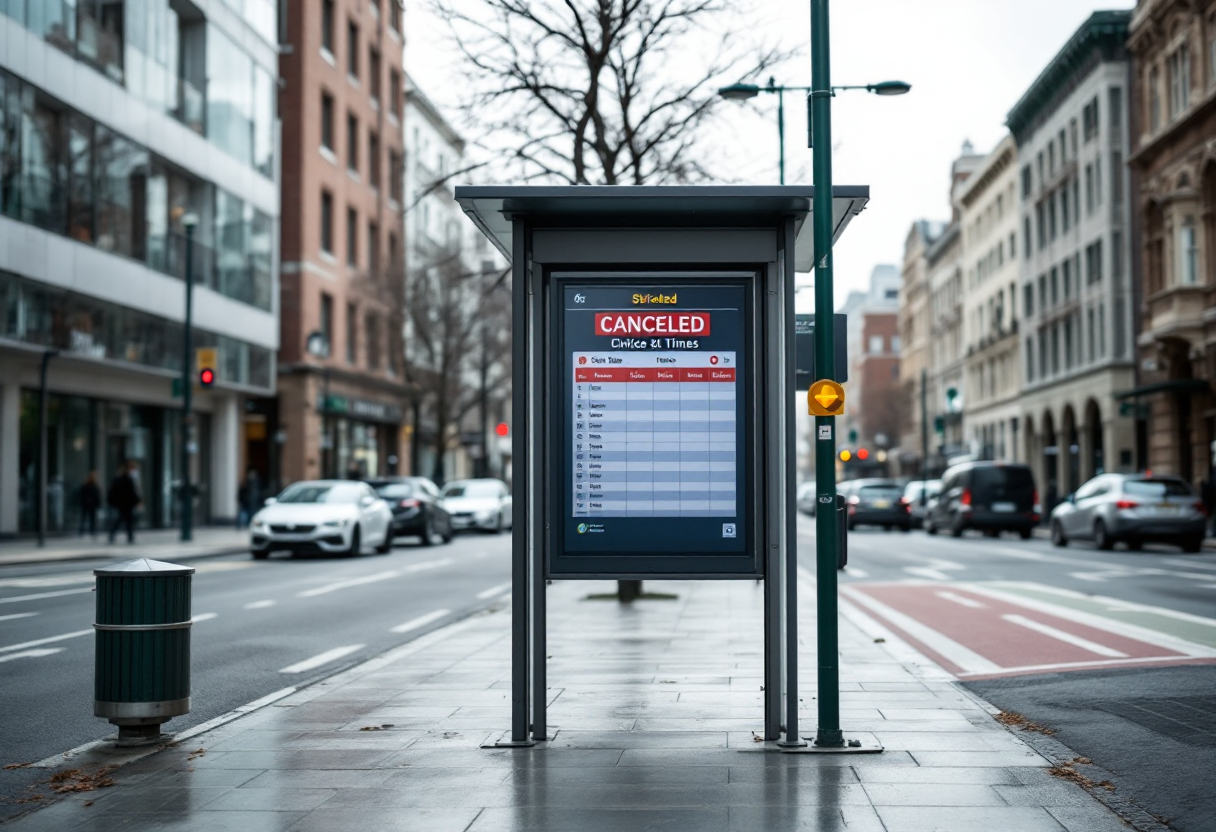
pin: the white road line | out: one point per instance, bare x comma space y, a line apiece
39, 642
927, 572
1098, 622
963, 657
420, 621
17, 615
427, 564
1131, 606
853, 571
260, 605
15, 598
204, 616
1193, 564
1061, 635
961, 599
1035, 668
494, 590
349, 582
322, 658
32, 654
50, 580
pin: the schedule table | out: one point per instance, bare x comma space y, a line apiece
654, 434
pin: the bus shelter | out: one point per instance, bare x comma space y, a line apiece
653, 400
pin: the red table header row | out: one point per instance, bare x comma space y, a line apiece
662, 374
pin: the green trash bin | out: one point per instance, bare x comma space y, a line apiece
142, 666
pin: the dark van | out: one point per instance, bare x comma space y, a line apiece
993, 497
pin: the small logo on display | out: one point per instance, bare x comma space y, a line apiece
580, 298
582, 528
713, 359
582, 359
728, 530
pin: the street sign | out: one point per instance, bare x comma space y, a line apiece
825, 398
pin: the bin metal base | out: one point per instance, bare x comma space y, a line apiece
135, 713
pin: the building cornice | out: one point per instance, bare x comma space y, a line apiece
977, 184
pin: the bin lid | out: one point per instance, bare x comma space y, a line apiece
143, 568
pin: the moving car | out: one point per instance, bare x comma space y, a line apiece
807, 498
993, 497
875, 502
478, 504
1133, 509
330, 516
417, 506
920, 494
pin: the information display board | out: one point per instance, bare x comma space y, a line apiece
655, 388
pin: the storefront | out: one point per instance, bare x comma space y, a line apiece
359, 437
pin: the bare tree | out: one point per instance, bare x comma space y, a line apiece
610, 92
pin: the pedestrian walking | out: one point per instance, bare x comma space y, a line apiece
249, 498
90, 500
124, 498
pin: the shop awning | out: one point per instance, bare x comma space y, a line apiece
1173, 385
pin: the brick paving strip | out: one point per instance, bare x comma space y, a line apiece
655, 707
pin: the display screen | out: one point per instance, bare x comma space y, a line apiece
654, 383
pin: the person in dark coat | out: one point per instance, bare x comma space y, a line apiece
124, 498
90, 501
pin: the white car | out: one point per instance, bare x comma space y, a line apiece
329, 516
807, 497
478, 504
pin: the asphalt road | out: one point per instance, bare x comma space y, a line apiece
1113, 651
259, 626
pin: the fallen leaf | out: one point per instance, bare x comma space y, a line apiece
12, 766
89, 802
880, 640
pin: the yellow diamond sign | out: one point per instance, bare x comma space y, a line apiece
825, 398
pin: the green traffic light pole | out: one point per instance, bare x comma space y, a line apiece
189, 221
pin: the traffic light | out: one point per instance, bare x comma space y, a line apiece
853, 436
502, 429
862, 453
206, 359
845, 455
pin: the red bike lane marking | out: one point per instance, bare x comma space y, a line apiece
977, 622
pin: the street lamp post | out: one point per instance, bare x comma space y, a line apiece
317, 346
189, 222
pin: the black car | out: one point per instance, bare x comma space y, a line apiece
875, 502
417, 507
992, 497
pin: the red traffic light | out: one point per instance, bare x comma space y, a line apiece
502, 429
206, 377
862, 453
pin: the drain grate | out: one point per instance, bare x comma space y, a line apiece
1189, 719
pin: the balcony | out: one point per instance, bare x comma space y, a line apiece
190, 107
1174, 309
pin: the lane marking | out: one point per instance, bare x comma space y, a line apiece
420, 621
1195, 564
961, 599
1066, 637
427, 564
854, 572
927, 572
322, 658
1130, 606
14, 599
494, 590
31, 654
1034, 668
260, 605
40, 641
17, 615
349, 582
1098, 622
204, 616
960, 656
50, 580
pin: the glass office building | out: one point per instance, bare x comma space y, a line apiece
120, 120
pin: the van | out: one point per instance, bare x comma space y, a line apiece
993, 497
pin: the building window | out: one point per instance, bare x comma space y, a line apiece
875, 345
352, 237
1188, 253
352, 50
1027, 300
373, 160
1101, 330
327, 121
1065, 215
373, 248
240, 103
1043, 292
1055, 286
1067, 278
1089, 190
1116, 178
373, 75
1068, 343
394, 88
327, 26
394, 15
1029, 358
1093, 262
1116, 255
327, 321
1089, 120
352, 326
1154, 99
1055, 348
487, 267
1178, 68
396, 177
352, 143
1027, 181
1026, 235
1051, 215
371, 327
1091, 334
1042, 353
327, 222
1041, 221
1072, 136
1115, 107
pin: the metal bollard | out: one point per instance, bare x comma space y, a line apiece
842, 532
141, 674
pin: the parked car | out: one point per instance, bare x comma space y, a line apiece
418, 508
920, 494
478, 504
875, 502
330, 516
993, 497
1132, 509
807, 498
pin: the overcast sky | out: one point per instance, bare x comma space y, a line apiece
968, 62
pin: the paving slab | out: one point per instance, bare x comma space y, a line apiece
654, 713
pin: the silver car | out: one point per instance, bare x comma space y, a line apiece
483, 504
920, 494
1133, 509
807, 497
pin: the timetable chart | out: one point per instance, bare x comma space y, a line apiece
654, 434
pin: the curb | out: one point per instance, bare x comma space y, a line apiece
76, 557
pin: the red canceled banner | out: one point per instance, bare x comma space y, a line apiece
652, 323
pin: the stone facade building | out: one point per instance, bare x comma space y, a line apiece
1071, 129
1173, 44
914, 355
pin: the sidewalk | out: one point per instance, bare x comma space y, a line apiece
654, 708
159, 544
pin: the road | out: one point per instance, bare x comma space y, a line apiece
259, 626
1115, 652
